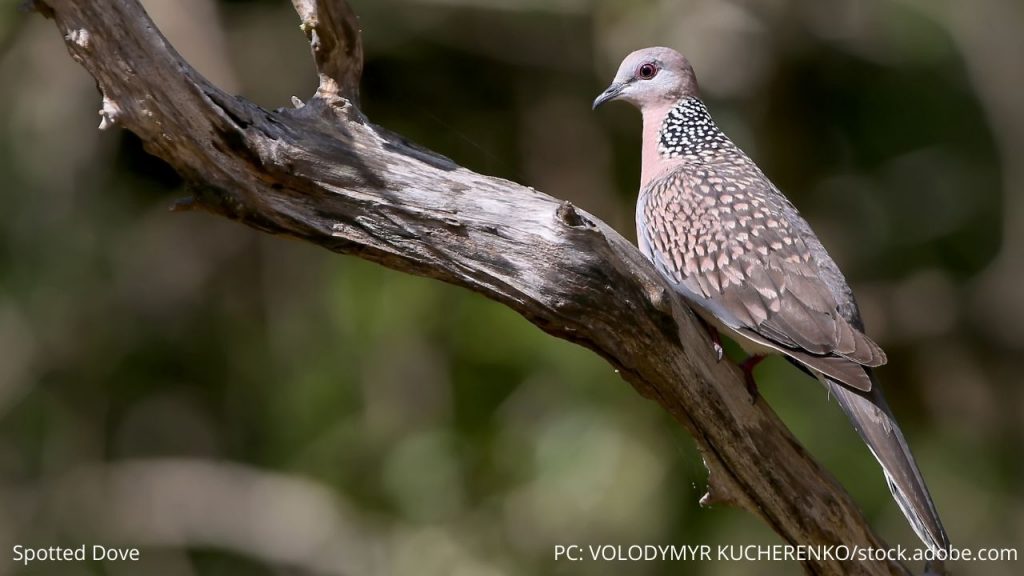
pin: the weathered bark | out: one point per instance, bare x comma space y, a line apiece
323, 173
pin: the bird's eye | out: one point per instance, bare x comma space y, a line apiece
646, 71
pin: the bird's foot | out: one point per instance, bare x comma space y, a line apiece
716, 339
748, 366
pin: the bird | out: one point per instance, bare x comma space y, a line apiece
738, 251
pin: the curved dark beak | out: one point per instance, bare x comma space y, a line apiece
611, 93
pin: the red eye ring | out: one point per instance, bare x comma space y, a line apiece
647, 71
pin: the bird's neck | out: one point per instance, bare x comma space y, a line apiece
680, 133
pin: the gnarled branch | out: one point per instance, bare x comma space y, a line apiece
323, 173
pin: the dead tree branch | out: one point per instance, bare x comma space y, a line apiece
323, 173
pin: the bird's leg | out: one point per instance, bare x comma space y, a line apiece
716, 340
748, 366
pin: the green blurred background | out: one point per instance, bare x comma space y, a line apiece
234, 403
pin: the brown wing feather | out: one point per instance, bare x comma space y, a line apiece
720, 232
850, 373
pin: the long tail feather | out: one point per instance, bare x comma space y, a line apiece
871, 417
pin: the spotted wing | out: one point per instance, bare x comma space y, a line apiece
737, 247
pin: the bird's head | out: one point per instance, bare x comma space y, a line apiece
651, 77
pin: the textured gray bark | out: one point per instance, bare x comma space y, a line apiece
323, 173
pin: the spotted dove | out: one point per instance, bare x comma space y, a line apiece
735, 248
